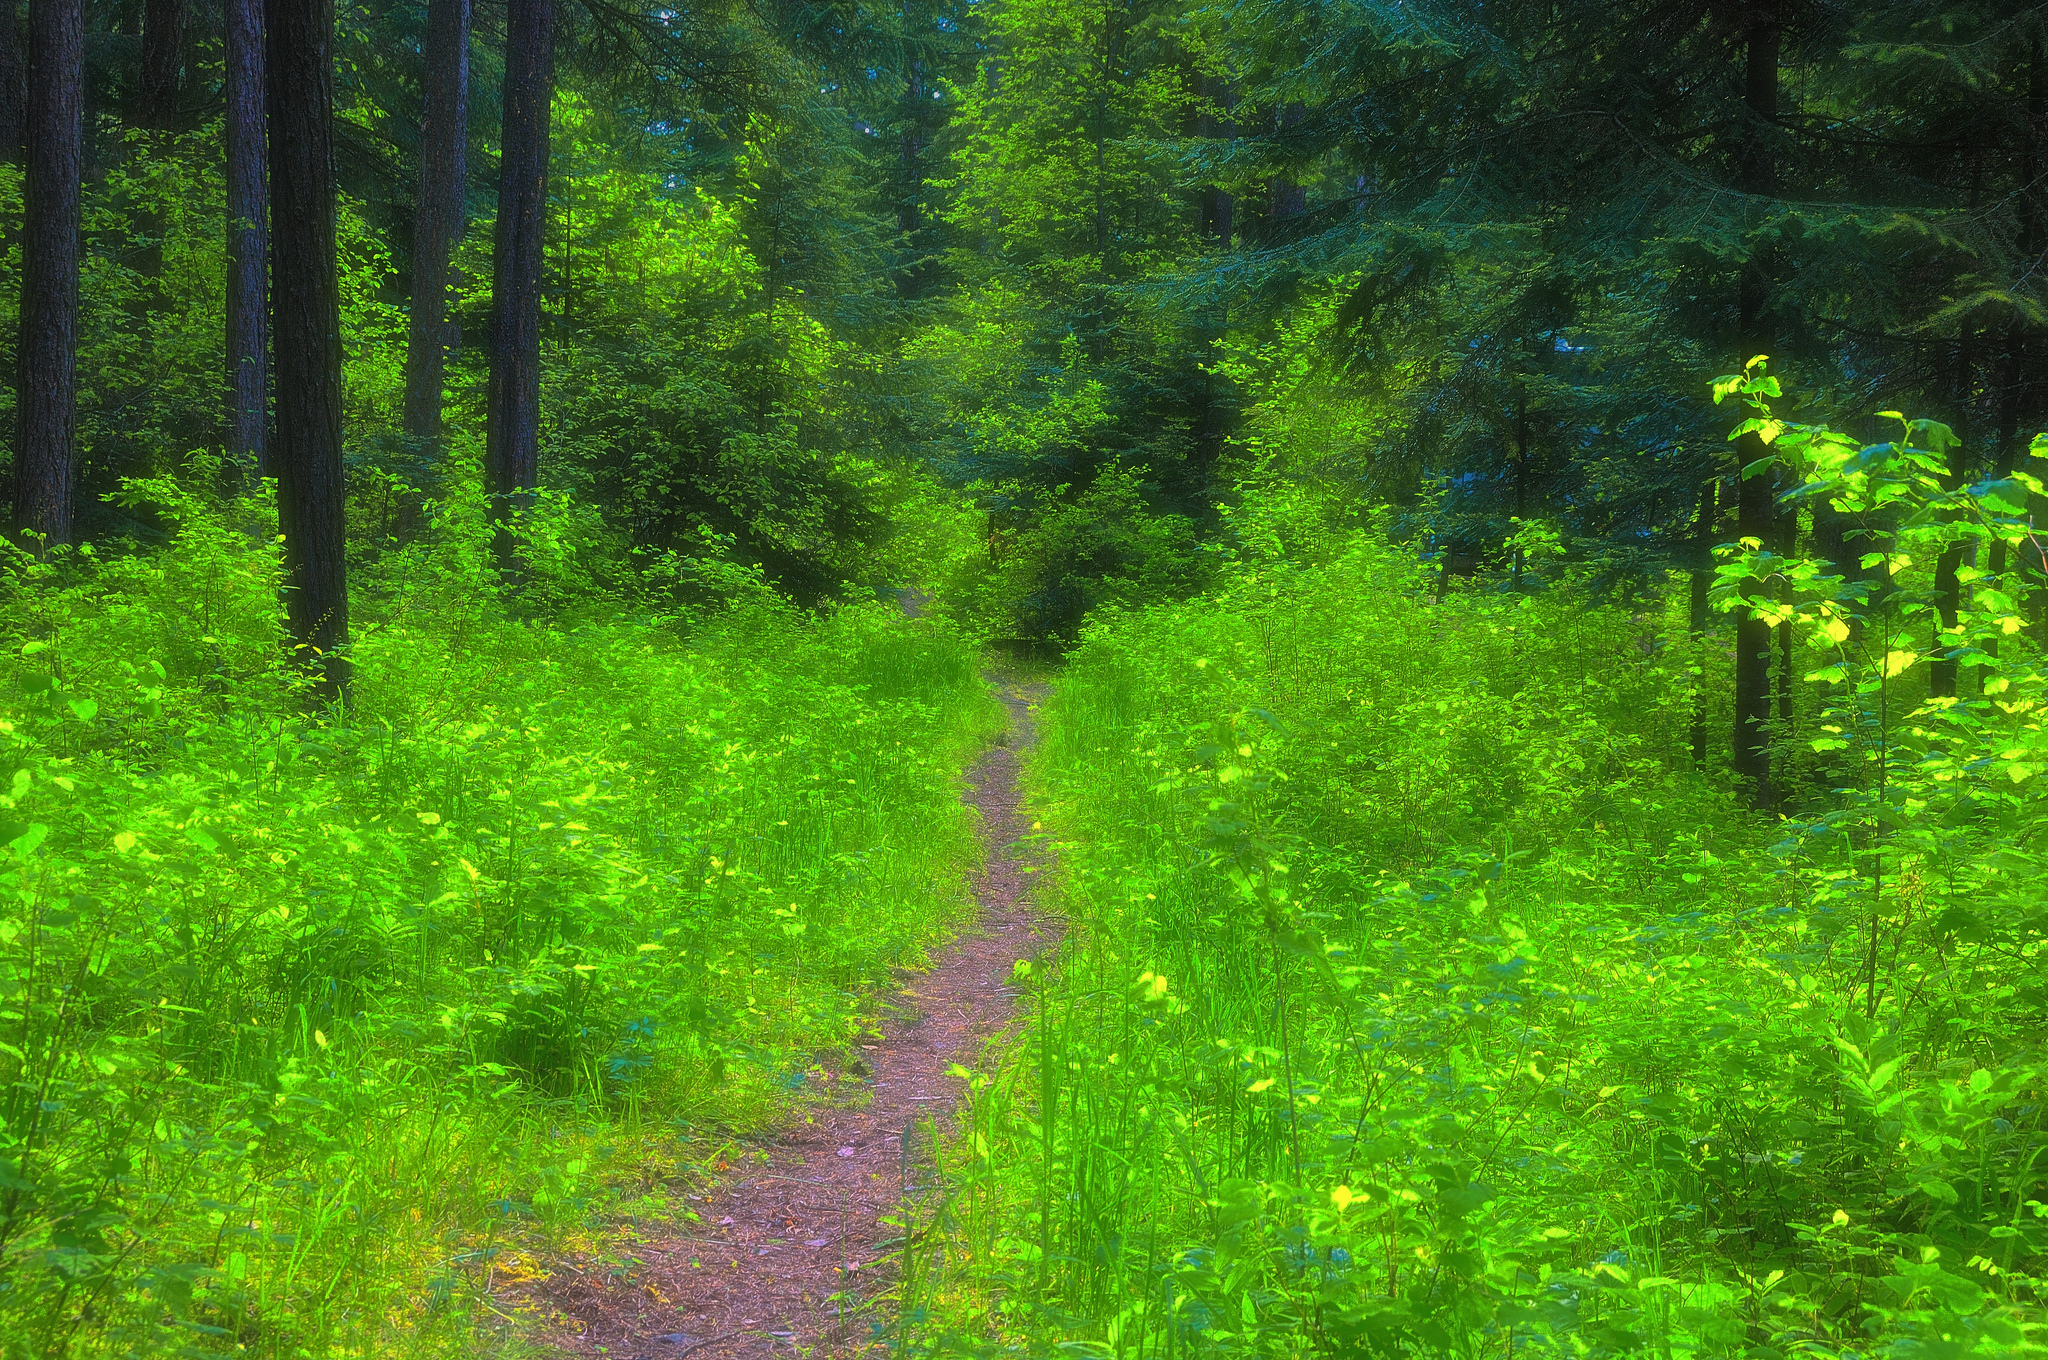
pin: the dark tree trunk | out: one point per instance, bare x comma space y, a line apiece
13, 86
915, 276
1521, 472
156, 110
1219, 209
1755, 501
2005, 442
248, 238
163, 57
512, 430
1948, 585
306, 334
444, 192
1698, 613
47, 394
2033, 240
1290, 199
1788, 545
2005, 457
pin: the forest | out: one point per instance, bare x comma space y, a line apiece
1112, 679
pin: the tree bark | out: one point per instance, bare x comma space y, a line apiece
1219, 208
444, 192
512, 429
1290, 199
1755, 507
306, 331
2033, 239
1788, 544
1948, 586
163, 57
47, 394
1698, 613
13, 86
914, 277
248, 238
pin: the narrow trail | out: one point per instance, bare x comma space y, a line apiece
774, 1246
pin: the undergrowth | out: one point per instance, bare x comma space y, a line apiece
318, 1031
1423, 999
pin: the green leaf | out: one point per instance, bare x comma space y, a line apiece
1939, 1191
86, 709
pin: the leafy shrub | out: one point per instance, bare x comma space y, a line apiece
1424, 999
312, 1028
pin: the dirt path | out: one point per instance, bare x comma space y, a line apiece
786, 1255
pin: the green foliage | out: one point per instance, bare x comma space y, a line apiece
1424, 999
1933, 785
1070, 526
313, 1032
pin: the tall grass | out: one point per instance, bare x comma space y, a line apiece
317, 1031
1422, 999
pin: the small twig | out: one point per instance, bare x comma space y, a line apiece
722, 1336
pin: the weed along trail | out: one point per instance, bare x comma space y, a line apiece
794, 1255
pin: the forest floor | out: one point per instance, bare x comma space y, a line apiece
791, 1256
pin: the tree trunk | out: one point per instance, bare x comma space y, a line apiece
13, 86
47, 394
1701, 583
306, 334
1290, 199
2033, 239
1219, 209
444, 192
1788, 545
1948, 586
512, 429
156, 110
1755, 517
914, 277
163, 57
1521, 472
2005, 442
248, 238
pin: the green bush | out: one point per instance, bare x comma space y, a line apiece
315, 1030
1423, 998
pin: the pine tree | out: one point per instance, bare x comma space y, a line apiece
439, 211
163, 60
306, 331
512, 432
248, 225
47, 396
13, 86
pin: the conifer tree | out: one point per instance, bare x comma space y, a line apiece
306, 331
248, 225
47, 395
439, 207
512, 432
